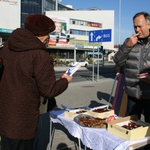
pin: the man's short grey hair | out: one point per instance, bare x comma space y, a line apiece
145, 14
148, 19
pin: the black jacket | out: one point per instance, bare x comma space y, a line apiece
136, 60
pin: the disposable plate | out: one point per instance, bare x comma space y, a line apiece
76, 119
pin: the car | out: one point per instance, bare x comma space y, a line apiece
101, 62
83, 63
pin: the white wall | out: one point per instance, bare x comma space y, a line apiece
106, 17
9, 14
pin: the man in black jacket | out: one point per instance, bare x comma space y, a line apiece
134, 55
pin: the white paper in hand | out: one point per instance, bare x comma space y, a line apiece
73, 68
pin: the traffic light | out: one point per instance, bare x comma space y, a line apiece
103, 52
101, 49
67, 38
57, 39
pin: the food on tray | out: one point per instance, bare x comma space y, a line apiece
131, 125
89, 121
110, 118
142, 75
71, 114
81, 111
140, 129
78, 111
100, 110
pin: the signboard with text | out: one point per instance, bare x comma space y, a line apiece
100, 36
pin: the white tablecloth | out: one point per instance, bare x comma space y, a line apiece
94, 138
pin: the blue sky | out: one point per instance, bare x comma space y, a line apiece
128, 9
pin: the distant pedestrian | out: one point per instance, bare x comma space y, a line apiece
55, 62
61, 62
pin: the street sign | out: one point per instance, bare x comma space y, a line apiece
100, 36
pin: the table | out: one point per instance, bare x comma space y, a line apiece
94, 138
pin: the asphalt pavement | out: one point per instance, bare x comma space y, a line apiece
86, 93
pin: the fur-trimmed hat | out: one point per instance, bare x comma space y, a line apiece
39, 24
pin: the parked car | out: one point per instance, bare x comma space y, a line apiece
83, 63
101, 62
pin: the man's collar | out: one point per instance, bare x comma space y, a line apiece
144, 40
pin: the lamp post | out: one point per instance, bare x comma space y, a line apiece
56, 5
75, 48
119, 23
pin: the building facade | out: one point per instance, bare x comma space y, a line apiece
13, 13
75, 24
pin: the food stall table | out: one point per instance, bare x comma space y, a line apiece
94, 138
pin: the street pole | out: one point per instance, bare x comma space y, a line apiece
93, 65
103, 54
43, 5
56, 5
75, 50
98, 64
119, 25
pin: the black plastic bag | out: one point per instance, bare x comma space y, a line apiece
51, 103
